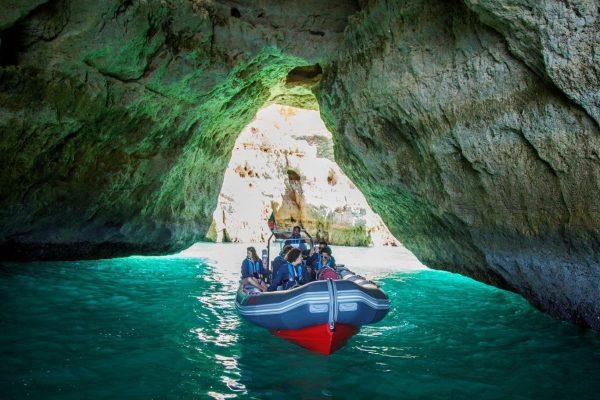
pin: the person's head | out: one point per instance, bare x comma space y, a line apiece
296, 231
326, 250
251, 253
325, 254
322, 245
294, 256
285, 250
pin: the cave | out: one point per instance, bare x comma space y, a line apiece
465, 125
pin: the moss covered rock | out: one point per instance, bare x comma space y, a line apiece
118, 117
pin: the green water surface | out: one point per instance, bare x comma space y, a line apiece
167, 328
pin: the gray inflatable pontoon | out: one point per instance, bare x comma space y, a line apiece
320, 315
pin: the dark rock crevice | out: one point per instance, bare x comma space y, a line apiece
10, 45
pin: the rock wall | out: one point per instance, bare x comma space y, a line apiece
117, 118
282, 162
472, 129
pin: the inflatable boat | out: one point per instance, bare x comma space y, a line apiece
321, 315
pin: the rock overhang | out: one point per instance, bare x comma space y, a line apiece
462, 124
121, 115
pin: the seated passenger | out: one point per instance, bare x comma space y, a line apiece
252, 269
296, 240
290, 274
323, 260
280, 260
326, 265
315, 257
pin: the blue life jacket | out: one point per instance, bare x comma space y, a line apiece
254, 266
320, 263
295, 241
294, 276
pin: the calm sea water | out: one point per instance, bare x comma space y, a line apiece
167, 328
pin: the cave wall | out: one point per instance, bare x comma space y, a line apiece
475, 136
118, 117
471, 127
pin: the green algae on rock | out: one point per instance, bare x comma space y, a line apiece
118, 126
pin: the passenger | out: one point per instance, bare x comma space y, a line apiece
290, 274
316, 260
280, 260
315, 255
326, 265
296, 240
252, 269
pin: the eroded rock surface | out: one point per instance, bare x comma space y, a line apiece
558, 40
471, 127
473, 147
118, 117
282, 162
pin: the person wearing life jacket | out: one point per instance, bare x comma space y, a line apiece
252, 269
280, 259
315, 257
290, 274
326, 265
296, 240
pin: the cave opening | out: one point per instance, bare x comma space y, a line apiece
295, 177
304, 73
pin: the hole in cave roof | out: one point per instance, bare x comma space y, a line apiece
305, 73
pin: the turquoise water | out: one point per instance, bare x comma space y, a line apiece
166, 328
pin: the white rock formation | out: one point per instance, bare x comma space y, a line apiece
283, 162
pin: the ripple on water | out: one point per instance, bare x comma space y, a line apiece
166, 327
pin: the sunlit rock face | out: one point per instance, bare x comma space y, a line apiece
472, 129
282, 162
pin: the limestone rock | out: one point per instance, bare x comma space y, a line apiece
471, 155
283, 162
117, 118
15, 10
558, 40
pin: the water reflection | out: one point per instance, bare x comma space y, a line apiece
218, 333
438, 339
166, 327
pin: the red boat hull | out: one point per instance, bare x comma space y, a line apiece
319, 338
